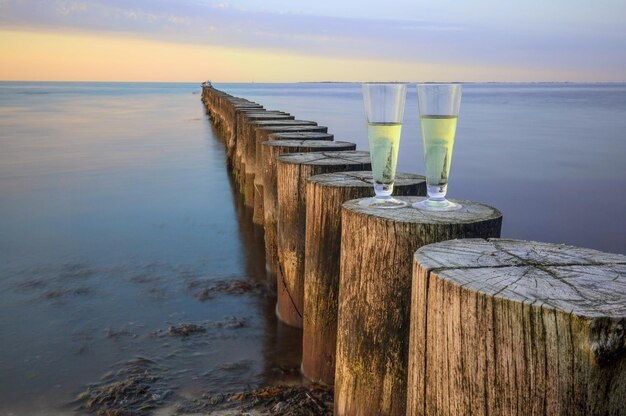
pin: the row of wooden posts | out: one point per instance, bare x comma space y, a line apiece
420, 313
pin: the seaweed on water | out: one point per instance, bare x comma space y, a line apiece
184, 330
230, 287
315, 400
135, 389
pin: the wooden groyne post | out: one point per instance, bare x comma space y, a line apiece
272, 149
293, 170
509, 327
496, 326
245, 128
251, 146
223, 109
325, 195
271, 133
377, 246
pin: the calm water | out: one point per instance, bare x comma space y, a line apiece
116, 211
551, 157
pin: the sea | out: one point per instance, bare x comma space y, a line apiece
119, 221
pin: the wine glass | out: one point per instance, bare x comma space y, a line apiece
439, 112
384, 108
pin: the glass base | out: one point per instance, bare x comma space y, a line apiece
385, 202
437, 205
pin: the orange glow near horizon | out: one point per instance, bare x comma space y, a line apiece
51, 56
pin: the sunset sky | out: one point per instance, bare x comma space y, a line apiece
295, 40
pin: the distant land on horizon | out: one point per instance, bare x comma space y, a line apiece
318, 82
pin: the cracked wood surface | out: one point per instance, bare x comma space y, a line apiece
377, 248
325, 195
292, 172
517, 328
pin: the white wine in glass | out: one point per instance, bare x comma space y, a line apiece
384, 108
439, 108
438, 137
384, 141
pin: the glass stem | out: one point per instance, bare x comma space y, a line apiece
437, 192
383, 190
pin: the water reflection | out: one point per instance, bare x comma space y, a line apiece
118, 220
282, 345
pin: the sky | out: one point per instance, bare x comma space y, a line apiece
317, 40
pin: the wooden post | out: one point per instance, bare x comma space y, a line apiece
270, 133
241, 121
292, 172
231, 139
377, 247
271, 150
249, 160
325, 194
245, 129
221, 106
510, 327
223, 110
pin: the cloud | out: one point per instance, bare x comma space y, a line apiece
222, 23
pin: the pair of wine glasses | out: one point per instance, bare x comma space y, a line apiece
439, 110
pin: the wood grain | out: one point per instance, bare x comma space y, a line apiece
517, 328
293, 170
271, 133
325, 195
271, 151
377, 248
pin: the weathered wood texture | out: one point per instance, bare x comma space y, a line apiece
292, 173
271, 151
249, 160
245, 129
325, 194
509, 327
221, 105
223, 110
230, 136
271, 133
377, 248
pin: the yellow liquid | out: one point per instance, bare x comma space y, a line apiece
438, 137
384, 141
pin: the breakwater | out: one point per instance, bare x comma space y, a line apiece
472, 326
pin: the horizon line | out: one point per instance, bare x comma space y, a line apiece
314, 82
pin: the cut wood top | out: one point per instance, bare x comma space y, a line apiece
255, 106
301, 135
266, 111
281, 122
315, 144
266, 115
289, 129
248, 108
469, 213
349, 157
361, 179
579, 281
